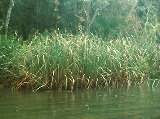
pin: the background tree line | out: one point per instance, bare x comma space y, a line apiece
100, 17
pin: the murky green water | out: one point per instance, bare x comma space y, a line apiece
136, 103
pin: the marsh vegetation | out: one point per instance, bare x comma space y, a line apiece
99, 52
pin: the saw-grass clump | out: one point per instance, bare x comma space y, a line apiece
63, 61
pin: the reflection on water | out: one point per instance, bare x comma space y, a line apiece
137, 102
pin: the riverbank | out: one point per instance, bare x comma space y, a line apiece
66, 62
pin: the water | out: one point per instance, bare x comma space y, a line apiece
137, 103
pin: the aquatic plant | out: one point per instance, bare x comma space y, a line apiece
63, 61
8, 46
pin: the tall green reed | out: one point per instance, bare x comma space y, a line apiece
63, 61
8, 46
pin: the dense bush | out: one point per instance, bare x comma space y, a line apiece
99, 17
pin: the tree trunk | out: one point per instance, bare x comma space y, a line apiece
75, 16
8, 16
87, 12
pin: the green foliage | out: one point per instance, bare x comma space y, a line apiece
63, 61
59, 61
8, 47
96, 16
